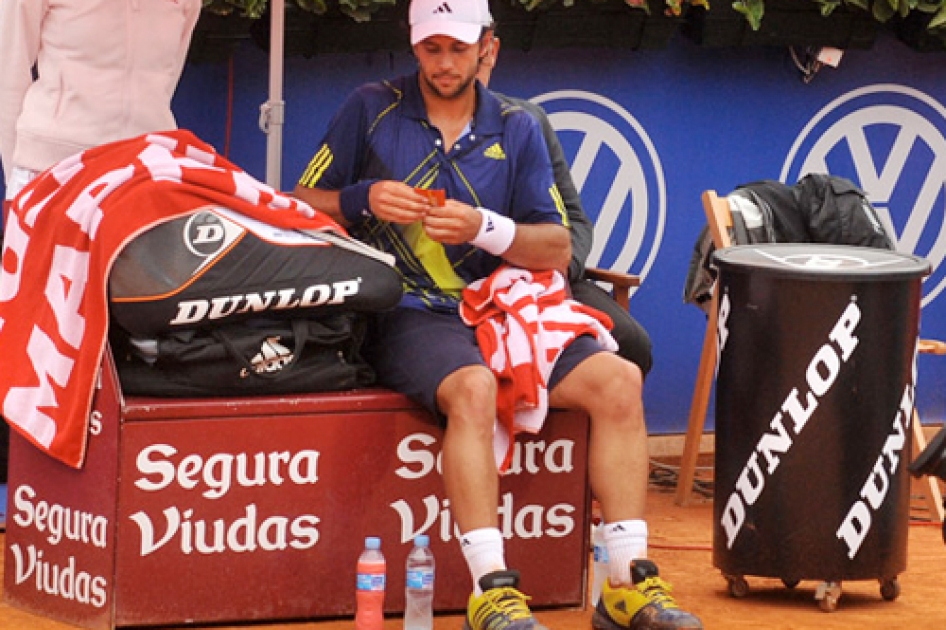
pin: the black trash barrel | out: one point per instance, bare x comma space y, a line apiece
814, 403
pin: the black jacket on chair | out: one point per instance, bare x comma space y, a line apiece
820, 208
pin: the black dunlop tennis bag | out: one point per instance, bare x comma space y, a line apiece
216, 303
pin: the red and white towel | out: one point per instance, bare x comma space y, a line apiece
524, 320
63, 233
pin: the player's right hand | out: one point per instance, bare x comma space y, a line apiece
397, 202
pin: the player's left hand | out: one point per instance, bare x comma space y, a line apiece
453, 223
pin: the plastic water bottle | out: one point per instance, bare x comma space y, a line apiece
419, 586
369, 598
600, 570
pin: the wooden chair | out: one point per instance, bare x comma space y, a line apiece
621, 283
719, 220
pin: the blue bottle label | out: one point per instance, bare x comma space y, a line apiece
420, 578
601, 553
370, 582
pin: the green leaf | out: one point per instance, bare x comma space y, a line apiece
828, 6
938, 20
883, 11
313, 6
753, 10
860, 4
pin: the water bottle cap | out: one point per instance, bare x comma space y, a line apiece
372, 542
422, 540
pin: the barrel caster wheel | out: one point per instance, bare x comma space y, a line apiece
828, 594
790, 583
890, 589
738, 587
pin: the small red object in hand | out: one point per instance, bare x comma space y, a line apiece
436, 197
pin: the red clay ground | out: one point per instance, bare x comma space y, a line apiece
681, 544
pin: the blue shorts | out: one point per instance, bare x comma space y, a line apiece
413, 350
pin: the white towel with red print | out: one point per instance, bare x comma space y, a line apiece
524, 320
62, 235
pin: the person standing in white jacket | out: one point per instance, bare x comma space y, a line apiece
80, 73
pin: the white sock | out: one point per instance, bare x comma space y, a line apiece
484, 553
626, 541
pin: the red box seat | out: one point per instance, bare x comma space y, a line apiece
255, 509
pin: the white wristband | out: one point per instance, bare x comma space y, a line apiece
496, 233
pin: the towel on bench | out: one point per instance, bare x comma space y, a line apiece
62, 235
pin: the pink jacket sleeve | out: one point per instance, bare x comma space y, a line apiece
20, 22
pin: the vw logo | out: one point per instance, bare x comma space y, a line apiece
890, 140
618, 173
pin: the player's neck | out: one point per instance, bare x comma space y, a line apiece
451, 115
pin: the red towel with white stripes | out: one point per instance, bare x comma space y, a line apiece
63, 233
524, 320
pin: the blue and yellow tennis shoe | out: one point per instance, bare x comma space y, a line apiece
501, 606
647, 605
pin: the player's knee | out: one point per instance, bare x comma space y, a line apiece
616, 382
626, 374
469, 393
619, 404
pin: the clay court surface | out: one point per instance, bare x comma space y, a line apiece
681, 544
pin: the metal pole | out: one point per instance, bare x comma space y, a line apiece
272, 114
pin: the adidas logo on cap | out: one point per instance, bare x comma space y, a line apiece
463, 20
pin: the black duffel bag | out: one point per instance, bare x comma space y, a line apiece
253, 357
215, 267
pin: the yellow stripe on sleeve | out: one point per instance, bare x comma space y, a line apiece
313, 172
560, 204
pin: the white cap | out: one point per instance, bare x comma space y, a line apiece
462, 20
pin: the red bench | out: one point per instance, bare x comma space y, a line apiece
253, 509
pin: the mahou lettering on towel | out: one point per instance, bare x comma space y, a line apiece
62, 235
